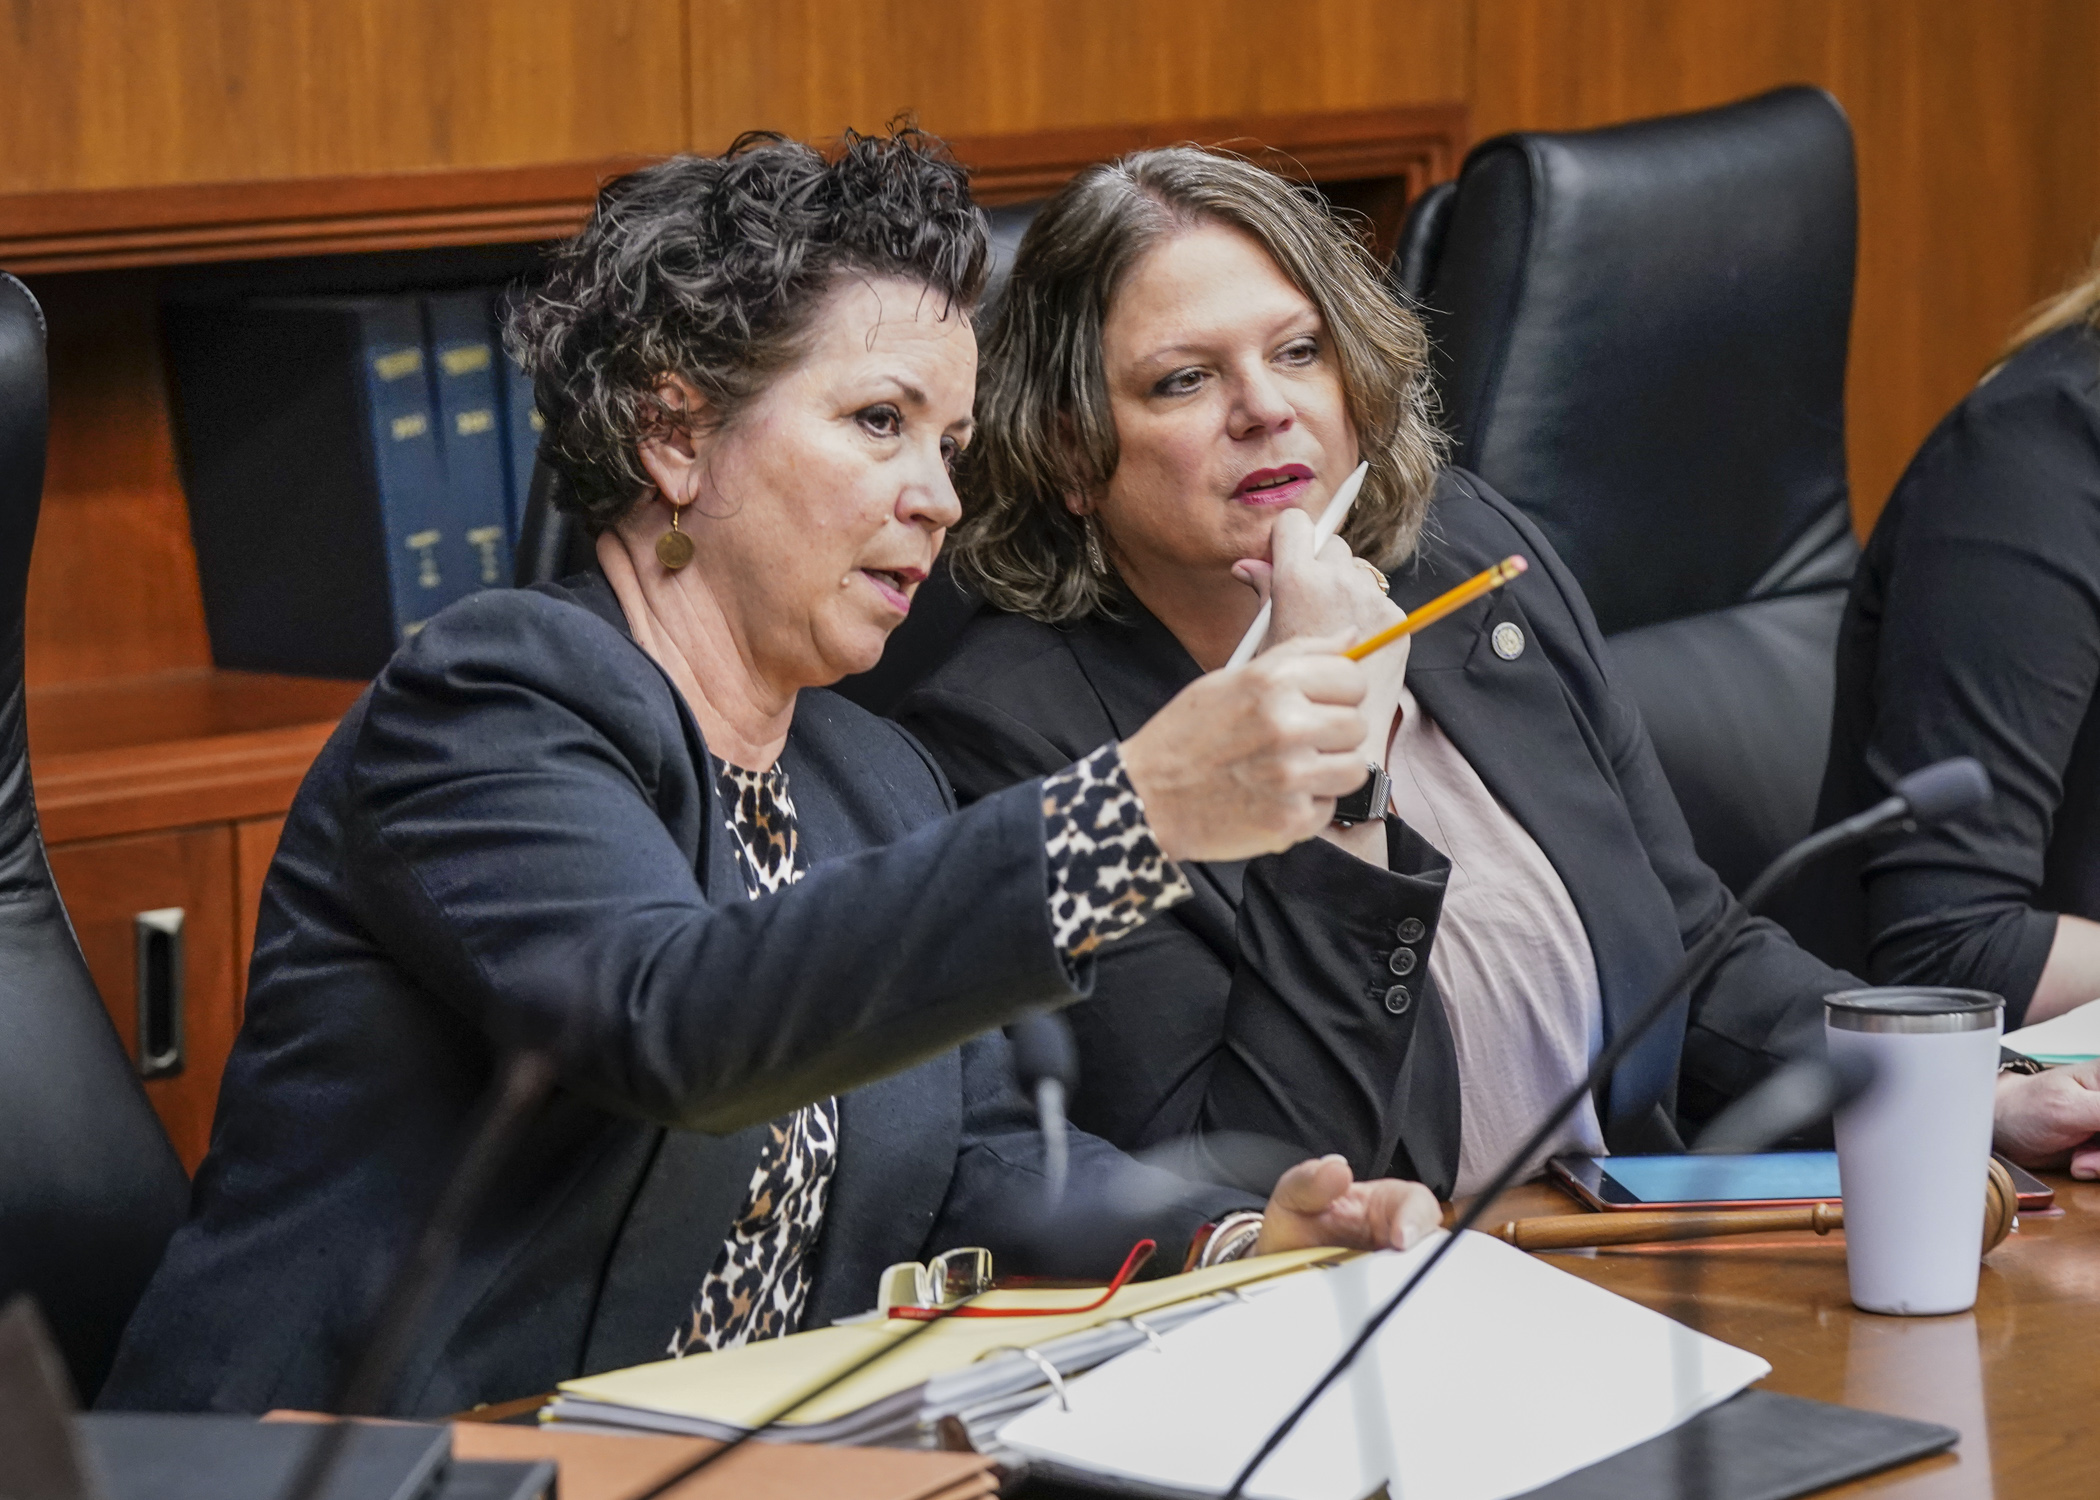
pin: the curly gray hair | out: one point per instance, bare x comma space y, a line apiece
712, 268
1045, 430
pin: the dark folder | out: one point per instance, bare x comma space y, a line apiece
156, 1456
1757, 1445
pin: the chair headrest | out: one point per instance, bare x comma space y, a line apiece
24, 419
1641, 341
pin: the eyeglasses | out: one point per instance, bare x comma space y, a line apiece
950, 1279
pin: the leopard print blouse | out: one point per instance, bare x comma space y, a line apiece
1107, 876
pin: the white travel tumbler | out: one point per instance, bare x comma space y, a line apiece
1914, 1148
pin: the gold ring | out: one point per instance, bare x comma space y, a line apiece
1372, 568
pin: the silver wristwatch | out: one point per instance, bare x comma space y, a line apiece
1367, 801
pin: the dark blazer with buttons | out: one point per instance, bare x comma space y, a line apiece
1273, 1003
514, 839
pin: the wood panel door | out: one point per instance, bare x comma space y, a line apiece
109, 885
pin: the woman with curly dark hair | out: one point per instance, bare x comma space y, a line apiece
617, 820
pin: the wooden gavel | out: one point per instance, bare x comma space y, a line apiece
2001, 1203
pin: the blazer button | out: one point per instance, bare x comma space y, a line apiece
1402, 962
1398, 999
1411, 930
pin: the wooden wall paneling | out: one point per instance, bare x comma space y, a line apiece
109, 228
1420, 143
254, 846
105, 883
113, 581
1978, 135
813, 67
131, 93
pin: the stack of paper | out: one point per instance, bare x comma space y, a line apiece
2073, 1037
1499, 1375
964, 1374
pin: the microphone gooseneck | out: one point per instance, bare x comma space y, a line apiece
1938, 791
1046, 1061
512, 1102
1793, 1098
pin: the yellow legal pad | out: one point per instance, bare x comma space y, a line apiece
742, 1387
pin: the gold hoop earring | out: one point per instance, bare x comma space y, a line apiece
1095, 558
674, 549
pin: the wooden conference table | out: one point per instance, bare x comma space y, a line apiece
2019, 1376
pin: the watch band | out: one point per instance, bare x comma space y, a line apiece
2010, 1061
1367, 801
1230, 1238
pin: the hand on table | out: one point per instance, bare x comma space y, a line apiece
2051, 1120
1319, 1202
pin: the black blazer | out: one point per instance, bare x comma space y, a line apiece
1259, 1006
513, 839
1973, 628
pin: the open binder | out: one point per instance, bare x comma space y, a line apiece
957, 1382
1504, 1377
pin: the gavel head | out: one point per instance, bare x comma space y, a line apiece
2001, 1206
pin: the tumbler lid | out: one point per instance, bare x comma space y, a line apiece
1912, 1009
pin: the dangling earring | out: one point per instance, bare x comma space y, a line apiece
674, 549
1094, 557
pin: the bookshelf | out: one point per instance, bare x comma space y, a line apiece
162, 780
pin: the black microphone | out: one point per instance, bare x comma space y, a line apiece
1937, 792
1046, 1061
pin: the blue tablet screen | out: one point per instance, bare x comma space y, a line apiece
1722, 1179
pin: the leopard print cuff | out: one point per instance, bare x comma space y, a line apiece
1108, 874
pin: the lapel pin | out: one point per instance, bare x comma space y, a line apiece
1508, 640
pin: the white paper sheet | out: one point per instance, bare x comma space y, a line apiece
2073, 1036
1499, 1375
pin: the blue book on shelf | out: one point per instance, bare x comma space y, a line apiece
309, 443
464, 357
522, 426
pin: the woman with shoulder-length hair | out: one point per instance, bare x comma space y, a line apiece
616, 821
1190, 356
1974, 629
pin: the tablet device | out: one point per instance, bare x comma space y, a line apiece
1769, 1179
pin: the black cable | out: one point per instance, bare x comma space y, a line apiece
1928, 795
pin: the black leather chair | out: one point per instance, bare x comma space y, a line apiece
90, 1189
1640, 338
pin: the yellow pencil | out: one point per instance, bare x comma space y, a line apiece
1485, 582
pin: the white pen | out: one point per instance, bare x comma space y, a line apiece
1330, 522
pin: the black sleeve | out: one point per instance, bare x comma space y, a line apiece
1279, 1028
1763, 1004
510, 808
1989, 645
